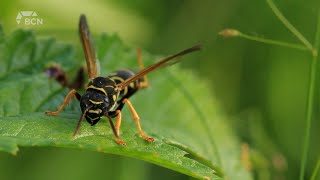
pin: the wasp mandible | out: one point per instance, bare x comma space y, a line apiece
106, 96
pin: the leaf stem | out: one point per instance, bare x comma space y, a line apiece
310, 100
236, 33
273, 42
288, 25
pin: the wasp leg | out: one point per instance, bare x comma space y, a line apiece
137, 120
118, 121
65, 102
145, 82
119, 141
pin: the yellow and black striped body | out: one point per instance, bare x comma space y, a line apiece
102, 95
122, 75
119, 77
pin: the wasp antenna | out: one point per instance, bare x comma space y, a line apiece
186, 51
194, 48
81, 118
164, 62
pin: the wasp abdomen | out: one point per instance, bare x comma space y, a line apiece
122, 75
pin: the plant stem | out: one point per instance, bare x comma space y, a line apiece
273, 42
289, 26
315, 171
310, 100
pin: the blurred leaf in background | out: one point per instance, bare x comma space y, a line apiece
261, 88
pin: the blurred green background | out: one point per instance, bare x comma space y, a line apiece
261, 88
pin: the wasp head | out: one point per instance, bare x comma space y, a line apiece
100, 98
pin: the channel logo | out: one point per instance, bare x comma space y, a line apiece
28, 18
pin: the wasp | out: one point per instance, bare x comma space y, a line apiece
106, 96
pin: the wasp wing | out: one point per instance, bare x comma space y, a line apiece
163, 63
88, 48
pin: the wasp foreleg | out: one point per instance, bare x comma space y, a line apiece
119, 141
65, 102
118, 121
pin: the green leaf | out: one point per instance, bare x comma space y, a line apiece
178, 110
